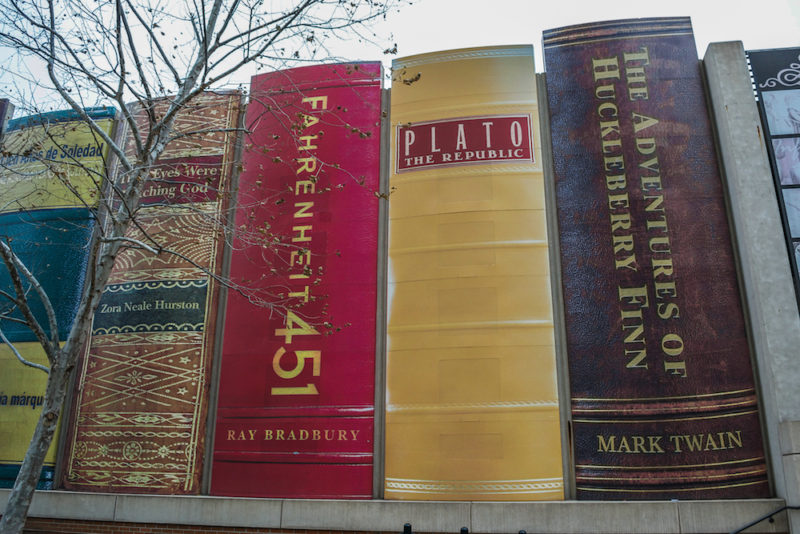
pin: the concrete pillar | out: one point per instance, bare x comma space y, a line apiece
765, 270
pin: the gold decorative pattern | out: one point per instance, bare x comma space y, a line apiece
449, 487
140, 416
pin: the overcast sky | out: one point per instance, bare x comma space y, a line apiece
431, 25
434, 25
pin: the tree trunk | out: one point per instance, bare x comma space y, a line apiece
13, 520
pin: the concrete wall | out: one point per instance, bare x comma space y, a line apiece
389, 516
765, 268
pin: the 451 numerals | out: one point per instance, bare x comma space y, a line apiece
295, 326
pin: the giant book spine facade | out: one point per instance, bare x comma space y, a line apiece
297, 385
139, 420
662, 391
472, 403
49, 182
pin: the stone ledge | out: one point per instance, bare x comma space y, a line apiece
661, 517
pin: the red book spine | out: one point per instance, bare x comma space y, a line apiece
296, 402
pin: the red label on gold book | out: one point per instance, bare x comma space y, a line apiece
469, 140
663, 398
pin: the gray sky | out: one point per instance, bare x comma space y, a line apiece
431, 25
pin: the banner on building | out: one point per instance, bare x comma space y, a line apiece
472, 402
663, 398
296, 402
54, 160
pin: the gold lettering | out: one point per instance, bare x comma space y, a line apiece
306, 142
675, 368
620, 221
622, 243
651, 182
613, 163
606, 91
618, 201
604, 445
662, 267
301, 237
605, 68
645, 145
307, 186
642, 122
315, 100
636, 296
654, 443
309, 165
616, 182
303, 211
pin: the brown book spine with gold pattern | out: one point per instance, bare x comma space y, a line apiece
140, 410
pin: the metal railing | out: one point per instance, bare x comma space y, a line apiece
768, 517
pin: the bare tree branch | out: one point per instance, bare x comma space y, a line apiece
16, 268
151, 59
19, 356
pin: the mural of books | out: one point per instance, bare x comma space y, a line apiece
142, 398
472, 402
296, 401
49, 183
663, 398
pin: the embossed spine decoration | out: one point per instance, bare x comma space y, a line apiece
472, 404
141, 402
296, 403
662, 392
49, 226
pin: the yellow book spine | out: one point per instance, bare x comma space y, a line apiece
472, 400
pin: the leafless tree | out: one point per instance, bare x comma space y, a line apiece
78, 53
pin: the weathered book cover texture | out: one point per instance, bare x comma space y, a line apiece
142, 396
297, 393
472, 401
49, 182
48, 185
663, 399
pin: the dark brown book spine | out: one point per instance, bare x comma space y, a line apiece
662, 390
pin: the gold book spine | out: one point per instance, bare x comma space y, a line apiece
472, 400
